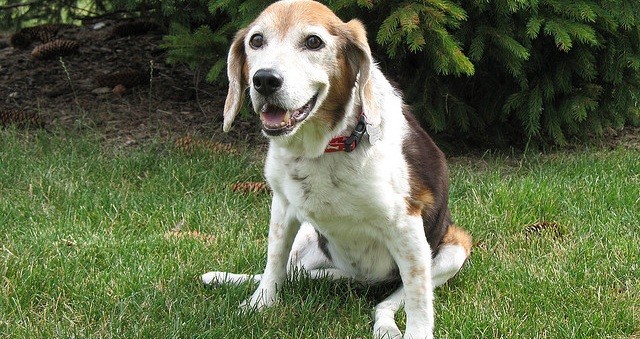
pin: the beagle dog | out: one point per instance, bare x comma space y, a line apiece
360, 191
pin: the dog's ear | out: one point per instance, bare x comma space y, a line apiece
359, 55
236, 72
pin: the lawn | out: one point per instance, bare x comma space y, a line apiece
104, 242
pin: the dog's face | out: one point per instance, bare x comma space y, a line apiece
300, 63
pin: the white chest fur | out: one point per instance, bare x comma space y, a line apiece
351, 198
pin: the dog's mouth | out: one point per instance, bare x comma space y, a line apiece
279, 121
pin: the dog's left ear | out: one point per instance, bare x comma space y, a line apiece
236, 64
359, 55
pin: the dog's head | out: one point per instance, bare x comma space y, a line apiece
301, 64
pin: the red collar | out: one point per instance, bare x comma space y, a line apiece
348, 143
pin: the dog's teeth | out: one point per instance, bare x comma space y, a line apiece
287, 116
264, 107
282, 124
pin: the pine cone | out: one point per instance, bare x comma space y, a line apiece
250, 187
543, 226
43, 33
133, 28
54, 49
128, 79
20, 40
184, 143
20, 118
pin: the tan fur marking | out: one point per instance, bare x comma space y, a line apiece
245, 74
414, 207
333, 107
417, 271
458, 236
355, 32
421, 194
425, 196
286, 15
237, 71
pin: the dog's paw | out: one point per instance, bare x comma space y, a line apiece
386, 331
217, 278
260, 300
418, 334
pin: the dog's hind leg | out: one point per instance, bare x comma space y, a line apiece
310, 256
307, 253
452, 253
306, 256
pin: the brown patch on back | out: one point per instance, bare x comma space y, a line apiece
457, 236
428, 179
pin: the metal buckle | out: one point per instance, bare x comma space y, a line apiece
352, 141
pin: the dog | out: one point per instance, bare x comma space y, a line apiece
360, 191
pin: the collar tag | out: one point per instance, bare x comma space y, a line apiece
354, 139
348, 143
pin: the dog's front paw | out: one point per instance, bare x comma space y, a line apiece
387, 330
261, 299
418, 334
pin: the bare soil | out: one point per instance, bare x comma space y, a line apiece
65, 93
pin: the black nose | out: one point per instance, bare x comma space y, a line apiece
266, 81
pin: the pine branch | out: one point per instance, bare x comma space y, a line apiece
17, 5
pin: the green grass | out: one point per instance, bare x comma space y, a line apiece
86, 248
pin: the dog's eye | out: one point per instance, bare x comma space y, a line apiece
256, 41
314, 42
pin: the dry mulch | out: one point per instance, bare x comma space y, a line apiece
170, 102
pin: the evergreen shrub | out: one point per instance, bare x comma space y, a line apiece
493, 71
546, 70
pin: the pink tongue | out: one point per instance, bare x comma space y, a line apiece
273, 115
